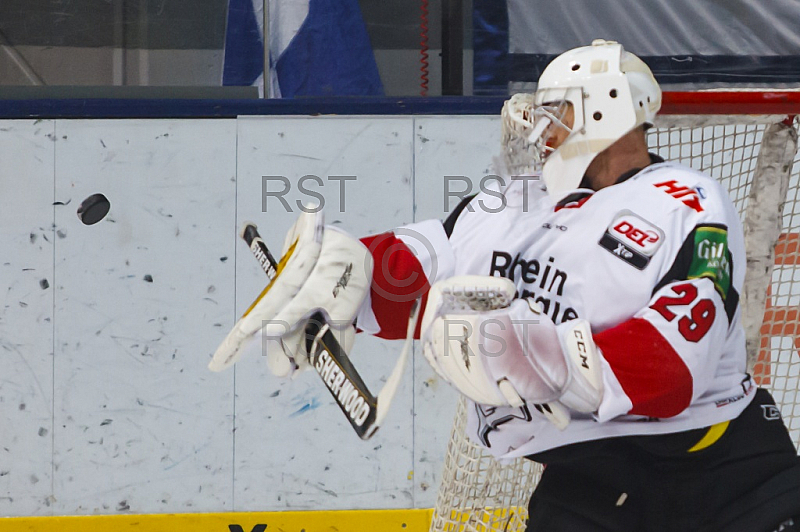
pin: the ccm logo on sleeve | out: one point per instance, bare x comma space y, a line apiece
632, 239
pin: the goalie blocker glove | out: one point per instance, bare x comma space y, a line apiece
501, 352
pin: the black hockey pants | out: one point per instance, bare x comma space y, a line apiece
748, 480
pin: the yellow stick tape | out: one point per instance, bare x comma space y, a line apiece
317, 521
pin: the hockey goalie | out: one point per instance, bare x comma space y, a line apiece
588, 308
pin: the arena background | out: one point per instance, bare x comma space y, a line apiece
108, 415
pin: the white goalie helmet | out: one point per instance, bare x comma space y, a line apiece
611, 92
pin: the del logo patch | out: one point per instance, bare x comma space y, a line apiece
632, 239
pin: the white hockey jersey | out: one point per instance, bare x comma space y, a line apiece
655, 263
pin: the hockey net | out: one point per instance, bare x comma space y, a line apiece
748, 141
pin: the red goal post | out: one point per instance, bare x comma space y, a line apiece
746, 139
731, 102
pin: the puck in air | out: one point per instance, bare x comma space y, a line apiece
93, 209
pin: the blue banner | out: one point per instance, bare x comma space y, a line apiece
244, 45
317, 48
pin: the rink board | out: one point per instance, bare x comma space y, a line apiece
311, 521
106, 330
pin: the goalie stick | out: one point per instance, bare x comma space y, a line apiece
363, 410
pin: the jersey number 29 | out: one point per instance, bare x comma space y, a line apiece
698, 321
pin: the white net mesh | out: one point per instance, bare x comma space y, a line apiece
479, 494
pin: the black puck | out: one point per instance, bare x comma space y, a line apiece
93, 209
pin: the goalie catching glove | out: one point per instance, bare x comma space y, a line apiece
321, 269
502, 352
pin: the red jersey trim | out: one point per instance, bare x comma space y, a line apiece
397, 281
647, 367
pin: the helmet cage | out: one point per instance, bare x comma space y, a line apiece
517, 124
547, 120
528, 130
